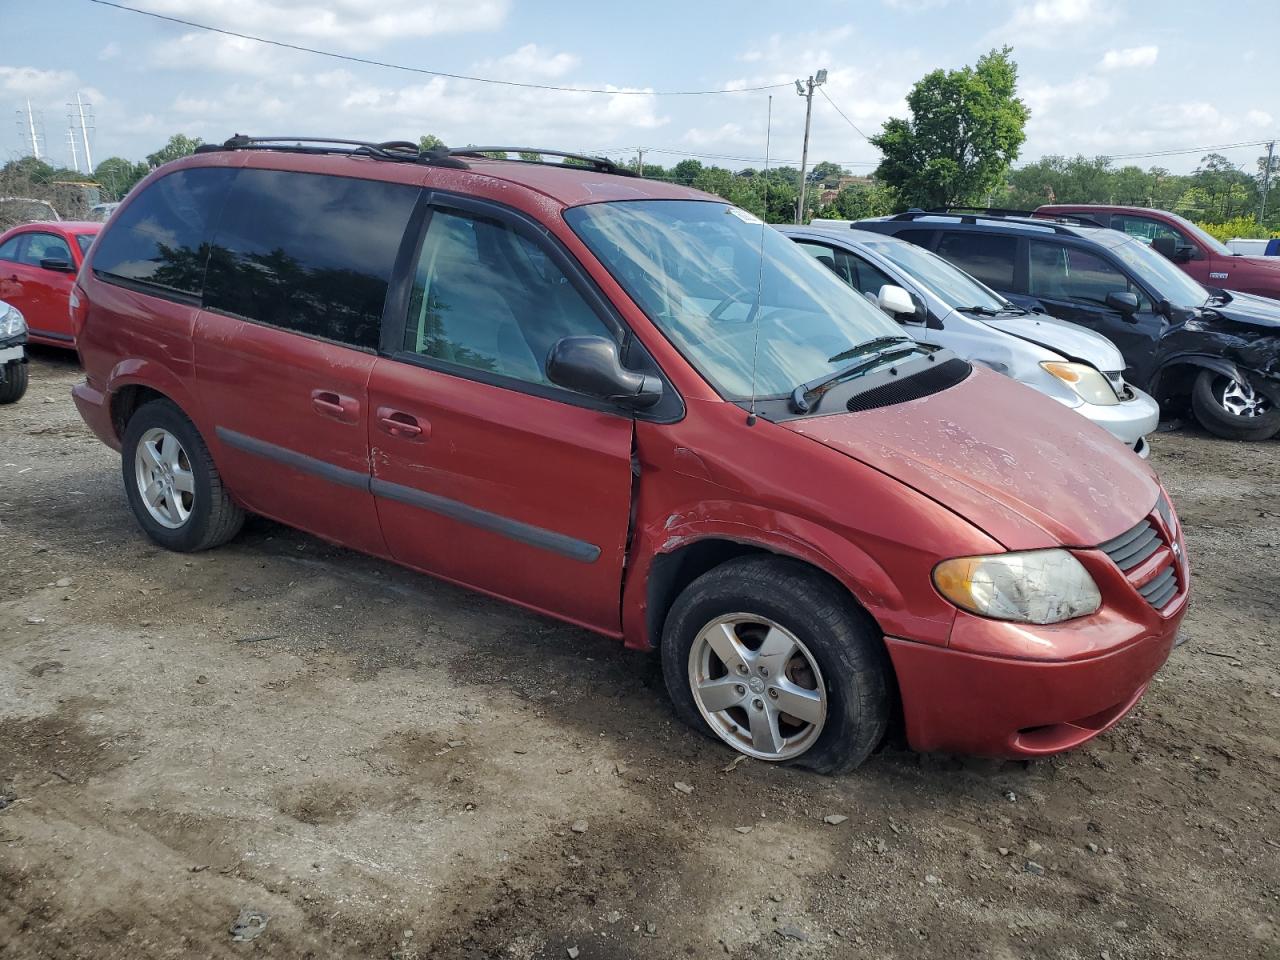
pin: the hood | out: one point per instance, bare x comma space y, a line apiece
1246, 308
1019, 466
1060, 336
1256, 263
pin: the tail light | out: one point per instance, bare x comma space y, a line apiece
78, 306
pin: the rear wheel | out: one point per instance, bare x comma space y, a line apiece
779, 663
172, 484
15, 382
1232, 408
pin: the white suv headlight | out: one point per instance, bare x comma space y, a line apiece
12, 322
1086, 382
1034, 586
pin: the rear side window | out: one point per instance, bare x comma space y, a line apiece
308, 252
1146, 229
158, 239
9, 249
987, 256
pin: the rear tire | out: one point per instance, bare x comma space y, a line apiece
839, 654
15, 382
1208, 396
185, 507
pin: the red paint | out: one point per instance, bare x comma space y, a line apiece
874, 499
41, 294
1257, 275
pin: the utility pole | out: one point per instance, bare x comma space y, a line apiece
31, 129
84, 134
71, 139
1266, 180
805, 89
640, 160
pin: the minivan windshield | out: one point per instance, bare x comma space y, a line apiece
950, 284
1161, 277
694, 267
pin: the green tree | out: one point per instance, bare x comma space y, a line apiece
27, 168
826, 172
429, 141
179, 145
965, 130
118, 175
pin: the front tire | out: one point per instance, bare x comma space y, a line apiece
773, 659
1233, 410
15, 382
172, 484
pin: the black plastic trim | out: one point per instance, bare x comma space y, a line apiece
292, 458
560, 543
151, 290
50, 335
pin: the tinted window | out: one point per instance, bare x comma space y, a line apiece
869, 279
308, 252
84, 241
1059, 272
488, 298
158, 239
986, 256
1146, 229
45, 246
9, 249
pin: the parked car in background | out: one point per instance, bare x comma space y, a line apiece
38, 264
630, 405
15, 210
938, 303
101, 212
1206, 259
1250, 247
1216, 352
13, 355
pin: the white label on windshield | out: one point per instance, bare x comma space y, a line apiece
744, 215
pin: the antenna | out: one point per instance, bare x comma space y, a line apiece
764, 225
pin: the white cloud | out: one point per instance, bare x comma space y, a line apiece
32, 82
1044, 22
110, 51
529, 63
356, 23
1129, 58
1077, 94
212, 51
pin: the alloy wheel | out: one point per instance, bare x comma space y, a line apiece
757, 686
165, 481
1238, 398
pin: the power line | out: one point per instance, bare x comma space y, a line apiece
431, 73
1178, 151
846, 119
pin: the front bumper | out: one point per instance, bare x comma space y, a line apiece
1128, 421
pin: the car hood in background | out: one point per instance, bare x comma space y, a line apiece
1246, 308
1068, 339
1014, 463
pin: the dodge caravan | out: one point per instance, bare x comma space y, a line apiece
628, 405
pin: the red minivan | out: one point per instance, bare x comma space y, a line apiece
632, 406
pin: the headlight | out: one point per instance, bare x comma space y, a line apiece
1036, 586
12, 322
1089, 385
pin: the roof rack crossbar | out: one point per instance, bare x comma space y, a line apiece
405, 151
963, 217
1077, 218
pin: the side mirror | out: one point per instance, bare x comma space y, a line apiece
1184, 253
591, 365
1166, 246
895, 300
1126, 303
51, 263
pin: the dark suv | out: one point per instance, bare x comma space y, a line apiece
1183, 343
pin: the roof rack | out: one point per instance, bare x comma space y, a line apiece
404, 151
1079, 219
917, 214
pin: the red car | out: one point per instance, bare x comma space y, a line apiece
587, 394
38, 264
1208, 260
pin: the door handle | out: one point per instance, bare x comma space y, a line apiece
401, 424
335, 405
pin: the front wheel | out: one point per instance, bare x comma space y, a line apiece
1233, 409
779, 663
15, 382
171, 481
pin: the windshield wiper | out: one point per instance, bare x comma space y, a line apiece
980, 311
870, 346
1220, 297
803, 396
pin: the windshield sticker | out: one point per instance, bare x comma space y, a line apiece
744, 215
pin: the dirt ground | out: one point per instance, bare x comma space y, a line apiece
390, 767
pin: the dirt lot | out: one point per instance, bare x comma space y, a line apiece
390, 767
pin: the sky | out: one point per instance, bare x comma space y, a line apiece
1100, 76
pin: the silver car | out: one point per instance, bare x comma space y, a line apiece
940, 304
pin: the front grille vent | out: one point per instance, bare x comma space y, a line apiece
933, 380
1132, 548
